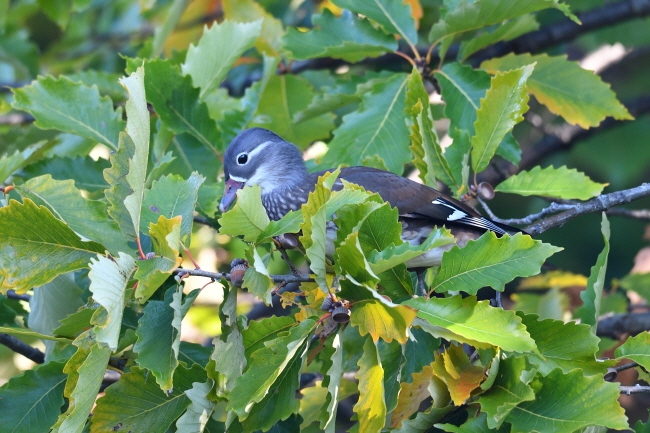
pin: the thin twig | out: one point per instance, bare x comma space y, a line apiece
226, 276
553, 208
24, 349
637, 214
625, 366
636, 389
202, 220
294, 270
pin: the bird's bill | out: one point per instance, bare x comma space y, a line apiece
229, 194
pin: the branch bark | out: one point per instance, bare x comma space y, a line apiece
24, 349
623, 324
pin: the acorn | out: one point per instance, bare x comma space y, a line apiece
341, 314
237, 270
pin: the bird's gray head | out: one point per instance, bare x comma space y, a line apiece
257, 156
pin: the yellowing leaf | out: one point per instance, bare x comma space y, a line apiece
411, 395
552, 182
371, 407
565, 88
382, 320
453, 368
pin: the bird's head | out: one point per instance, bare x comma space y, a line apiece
257, 156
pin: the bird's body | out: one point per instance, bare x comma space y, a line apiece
258, 156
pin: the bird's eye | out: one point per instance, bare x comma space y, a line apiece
242, 158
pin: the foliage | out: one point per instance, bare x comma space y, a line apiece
97, 242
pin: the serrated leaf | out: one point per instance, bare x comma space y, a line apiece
381, 319
502, 108
108, 280
267, 365
333, 383
119, 187
86, 217
200, 410
457, 372
257, 278
578, 95
270, 41
637, 349
248, 217
75, 323
566, 402
564, 345
371, 408
85, 370
552, 182
593, 294
476, 323
71, 107
429, 158
289, 223
377, 128
261, 331
158, 333
136, 403
510, 388
352, 264
35, 247
154, 271
180, 108
491, 261
424, 420
348, 37
394, 17
32, 400
411, 395
22, 158
172, 196
482, 13
504, 32
283, 97
209, 60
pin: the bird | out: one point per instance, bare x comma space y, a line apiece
257, 156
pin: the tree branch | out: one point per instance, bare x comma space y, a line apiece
219, 275
24, 349
598, 204
636, 389
623, 324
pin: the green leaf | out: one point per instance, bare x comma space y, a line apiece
578, 95
85, 171
228, 358
371, 408
502, 108
348, 37
462, 89
32, 400
510, 388
424, 420
593, 294
639, 283
248, 217
85, 370
289, 223
552, 182
472, 322
108, 280
259, 332
477, 424
394, 17
491, 261
482, 13
282, 98
377, 128
216, 52
153, 272
9, 164
35, 247
564, 345
567, 402
637, 349
352, 264
333, 382
86, 217
75, 323
257, 278
266, 366
23, 332
71, 107
382, 319
158, 334
429, 158
504, 32
180, 108
270, 41
172, 196
118, 192
200, 410
136, 403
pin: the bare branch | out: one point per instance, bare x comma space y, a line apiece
637, 214
553, 208
598, 204
625, 366
636, 389
24, 349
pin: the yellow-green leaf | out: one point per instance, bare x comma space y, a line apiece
552, 182
371, 407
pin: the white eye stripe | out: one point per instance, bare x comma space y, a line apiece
259, 149
455, 215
